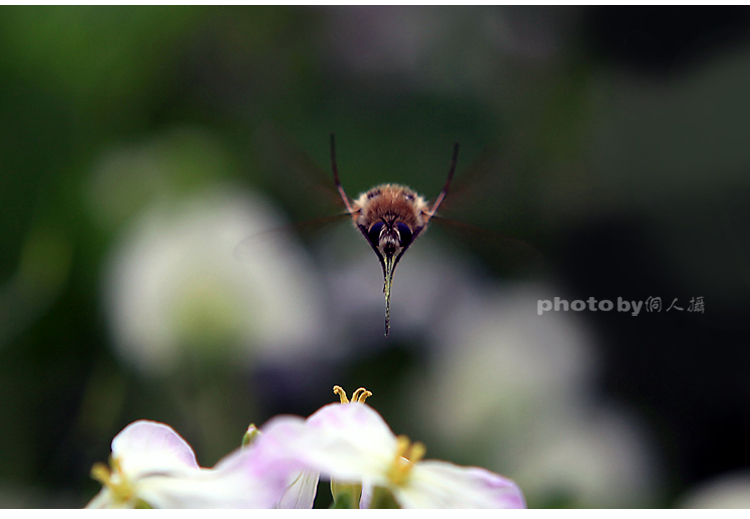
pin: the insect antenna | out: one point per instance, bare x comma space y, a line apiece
446, 187
336, 175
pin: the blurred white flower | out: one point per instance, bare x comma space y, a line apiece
351, 443
519, 386
500, 364
174, 287
152, 466
590, 456
731, 490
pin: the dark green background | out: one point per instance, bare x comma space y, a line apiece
622, 133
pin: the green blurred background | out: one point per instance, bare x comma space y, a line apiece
140, 145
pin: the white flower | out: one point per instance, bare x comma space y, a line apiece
152, 466
175, 290
351, 443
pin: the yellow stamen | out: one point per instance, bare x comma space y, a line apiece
407, 454
113, 479
341, 393
101, 473
360, 395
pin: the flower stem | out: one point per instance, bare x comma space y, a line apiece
382, 498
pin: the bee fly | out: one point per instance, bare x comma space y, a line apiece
390, 217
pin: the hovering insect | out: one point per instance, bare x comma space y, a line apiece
391, 217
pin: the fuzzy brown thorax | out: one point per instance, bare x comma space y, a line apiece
389, 202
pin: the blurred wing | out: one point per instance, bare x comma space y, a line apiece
491, 208
304, 187
497, 180
281, 238
506, 254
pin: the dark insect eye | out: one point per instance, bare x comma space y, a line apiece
404, 234
374, 233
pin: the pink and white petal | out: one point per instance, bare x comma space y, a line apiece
301, 492
277, 434
348, 443
101, 500
439, 484
354, 420
146, 447
275, 445
236, 482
